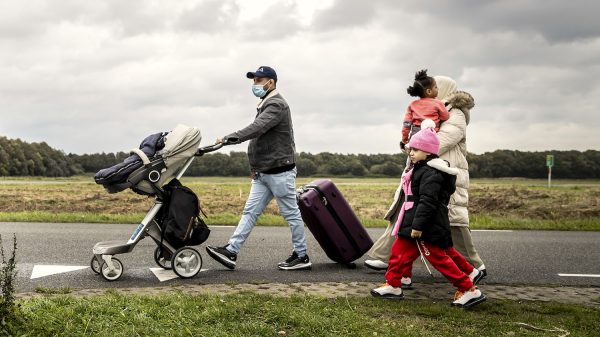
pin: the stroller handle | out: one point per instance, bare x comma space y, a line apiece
210, 148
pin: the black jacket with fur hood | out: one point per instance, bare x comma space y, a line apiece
433, 182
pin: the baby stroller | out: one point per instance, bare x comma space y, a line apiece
174, 153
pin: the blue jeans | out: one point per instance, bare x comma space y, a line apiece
282, 186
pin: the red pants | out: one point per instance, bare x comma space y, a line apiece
447, 261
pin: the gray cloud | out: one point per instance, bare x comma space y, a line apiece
209, 16
99, 76
345, 14
277, 22
556, 20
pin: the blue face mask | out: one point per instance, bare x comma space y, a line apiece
259, 90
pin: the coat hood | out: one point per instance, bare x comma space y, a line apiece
446, 87
464, 101
443, 166
449, 173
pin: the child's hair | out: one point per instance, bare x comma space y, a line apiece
422, 83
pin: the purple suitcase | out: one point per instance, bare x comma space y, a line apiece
332, 222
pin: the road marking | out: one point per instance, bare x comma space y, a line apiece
166, 274
491, 230
47, 270
579, 275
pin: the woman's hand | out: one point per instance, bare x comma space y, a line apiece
415, 234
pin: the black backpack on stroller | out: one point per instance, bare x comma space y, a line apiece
180, 217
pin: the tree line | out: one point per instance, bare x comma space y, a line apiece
18, 158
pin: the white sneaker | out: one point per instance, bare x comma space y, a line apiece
469, 298
483, 270
387, 291
376, 264
406, 283
476, 275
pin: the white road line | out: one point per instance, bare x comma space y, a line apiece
166, 274
47, 270
491, 230
579, 275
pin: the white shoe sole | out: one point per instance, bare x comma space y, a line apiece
472, 302
379, 268
406, 286
222, 259
300, 266
387, 296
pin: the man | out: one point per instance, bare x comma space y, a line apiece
271, 153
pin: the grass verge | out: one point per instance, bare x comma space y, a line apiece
495, 222
88, 217
249, 314
230, 219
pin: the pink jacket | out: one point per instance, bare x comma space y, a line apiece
405, 181
420, 110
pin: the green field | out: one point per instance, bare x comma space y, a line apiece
494, 203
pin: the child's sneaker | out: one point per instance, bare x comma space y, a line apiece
406, 283
469, 298
389, 292
476, 275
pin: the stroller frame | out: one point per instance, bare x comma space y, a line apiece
186, 261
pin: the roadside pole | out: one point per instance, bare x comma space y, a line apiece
549, 163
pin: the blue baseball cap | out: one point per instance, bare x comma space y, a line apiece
263, 71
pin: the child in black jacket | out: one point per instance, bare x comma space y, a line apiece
423, 226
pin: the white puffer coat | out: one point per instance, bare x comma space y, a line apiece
453, 148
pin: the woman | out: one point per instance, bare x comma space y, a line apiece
453, 148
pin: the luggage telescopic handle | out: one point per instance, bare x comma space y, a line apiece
209, 148
316, 189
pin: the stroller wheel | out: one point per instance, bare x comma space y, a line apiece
95, 265
163, 257
112, 274
186, 262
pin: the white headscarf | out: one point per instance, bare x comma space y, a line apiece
446, 87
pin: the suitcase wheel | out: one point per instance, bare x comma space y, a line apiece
351, 265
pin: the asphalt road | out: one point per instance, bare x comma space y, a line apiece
511, 257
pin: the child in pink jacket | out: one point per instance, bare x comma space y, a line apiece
423, 227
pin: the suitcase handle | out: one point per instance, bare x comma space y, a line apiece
315, 188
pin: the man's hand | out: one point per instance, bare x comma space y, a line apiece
218, 141
415, 234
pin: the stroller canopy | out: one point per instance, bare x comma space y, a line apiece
171, 150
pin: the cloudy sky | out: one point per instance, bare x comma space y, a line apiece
93, 76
